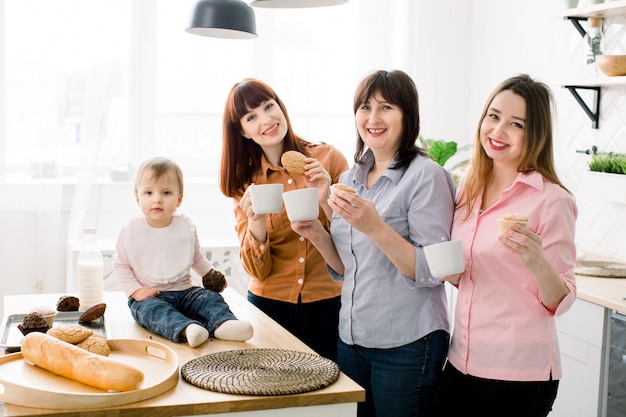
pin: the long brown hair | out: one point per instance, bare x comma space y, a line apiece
537, 155
399, 89
241, 157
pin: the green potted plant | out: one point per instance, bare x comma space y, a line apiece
612, 163
607, 172
441, 151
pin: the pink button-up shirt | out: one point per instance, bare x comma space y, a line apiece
502, 330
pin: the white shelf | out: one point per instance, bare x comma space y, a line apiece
608, 8
596, 82
608, 187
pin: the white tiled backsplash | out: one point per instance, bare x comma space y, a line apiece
601, 226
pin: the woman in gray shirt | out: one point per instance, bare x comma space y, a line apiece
393, 323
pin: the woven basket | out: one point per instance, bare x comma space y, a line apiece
600, 269
261, 372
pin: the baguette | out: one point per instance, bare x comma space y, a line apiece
72, 362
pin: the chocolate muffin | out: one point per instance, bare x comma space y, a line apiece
33, 322
68, 303
214, 280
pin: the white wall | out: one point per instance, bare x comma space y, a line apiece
510, 37
462, 49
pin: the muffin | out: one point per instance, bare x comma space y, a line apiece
68, 303
506, 220
48, 313
342, 187
33, 322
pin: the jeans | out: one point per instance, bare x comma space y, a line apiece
398, 382
315, 324
168, 314
459, 394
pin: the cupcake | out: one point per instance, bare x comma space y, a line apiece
33, 322
48, 313
506, 220
68, 303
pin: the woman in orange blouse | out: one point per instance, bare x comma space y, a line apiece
289, 280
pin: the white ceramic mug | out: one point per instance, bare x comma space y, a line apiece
301, 204
266, 198
445, 258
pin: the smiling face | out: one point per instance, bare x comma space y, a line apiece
158, 198
380, 124
266, 125
503, 129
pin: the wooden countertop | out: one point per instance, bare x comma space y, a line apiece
606, 292
186, 399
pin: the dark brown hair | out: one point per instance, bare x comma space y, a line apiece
241, 157
397, 88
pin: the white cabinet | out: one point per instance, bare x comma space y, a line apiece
583, 335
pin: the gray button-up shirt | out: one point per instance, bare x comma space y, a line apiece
380, 307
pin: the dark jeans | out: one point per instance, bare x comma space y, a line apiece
398, 382
459, 394
315, 324
168, 314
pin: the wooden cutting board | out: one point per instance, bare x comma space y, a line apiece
24, 384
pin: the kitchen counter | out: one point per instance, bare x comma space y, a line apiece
606, 292
338, 399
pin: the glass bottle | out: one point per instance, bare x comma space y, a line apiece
89, 271
594, 45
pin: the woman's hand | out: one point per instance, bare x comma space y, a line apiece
359, 212
256, 222
246, 205
315, 175
525, 245
314, 232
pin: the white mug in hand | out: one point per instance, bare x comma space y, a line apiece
266, 198
445, 258
301, 204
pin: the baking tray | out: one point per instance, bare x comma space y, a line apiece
27, 385
11, 337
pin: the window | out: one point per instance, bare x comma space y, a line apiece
95, 85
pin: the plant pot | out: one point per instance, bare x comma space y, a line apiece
608, 187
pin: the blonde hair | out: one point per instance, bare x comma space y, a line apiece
537, 154
159, 167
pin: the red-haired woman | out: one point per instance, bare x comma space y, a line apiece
289, 280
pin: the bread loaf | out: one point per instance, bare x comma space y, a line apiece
72, 362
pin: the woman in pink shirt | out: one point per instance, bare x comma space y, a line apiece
504, 355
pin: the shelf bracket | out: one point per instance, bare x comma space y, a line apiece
576, 22
594, 114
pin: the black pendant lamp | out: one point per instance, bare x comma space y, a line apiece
294, 4
231, 19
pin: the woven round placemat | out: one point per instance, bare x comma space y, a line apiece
260, 372
601, 269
